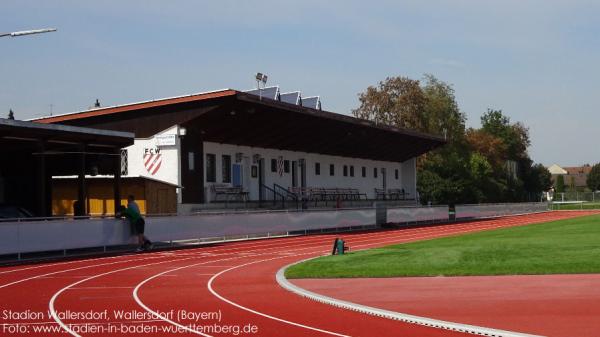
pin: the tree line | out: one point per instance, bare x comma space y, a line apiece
484, 165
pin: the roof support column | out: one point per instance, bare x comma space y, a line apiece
117, 179
42, 181
80, 207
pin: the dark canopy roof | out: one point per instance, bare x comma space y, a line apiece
14, 131
234, 117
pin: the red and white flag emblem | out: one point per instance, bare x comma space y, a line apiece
152, 162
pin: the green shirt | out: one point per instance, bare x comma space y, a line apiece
131, 215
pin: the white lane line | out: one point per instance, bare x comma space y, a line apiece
98, 288
137, 299
210, 288
425, 321
73, 269
53, 313
161, 274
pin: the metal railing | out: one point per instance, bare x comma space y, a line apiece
269, 194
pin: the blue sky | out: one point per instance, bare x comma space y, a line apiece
535, 60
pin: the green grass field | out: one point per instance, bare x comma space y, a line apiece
559, 247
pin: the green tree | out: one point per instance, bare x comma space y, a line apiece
441, 114
560, 184
472, 166
397, 101
537, 180
593, 178
515, 136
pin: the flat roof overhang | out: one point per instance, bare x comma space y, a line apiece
14, 131
265, 123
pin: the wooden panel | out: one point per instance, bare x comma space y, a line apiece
100, 195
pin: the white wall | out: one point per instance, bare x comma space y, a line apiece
406, 171
169, 169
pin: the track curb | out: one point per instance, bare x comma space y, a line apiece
430, 322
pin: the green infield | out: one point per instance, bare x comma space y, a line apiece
561, 247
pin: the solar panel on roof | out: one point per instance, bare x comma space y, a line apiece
268, 92
290, 97
312, 102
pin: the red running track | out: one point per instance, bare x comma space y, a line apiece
547, 305
208, 291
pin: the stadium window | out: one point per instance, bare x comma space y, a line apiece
351, 170
273, 165
317, 169
286, 166
364, 172
331, 170
374, 172
345, 170
396, 174
226, 168
211, 168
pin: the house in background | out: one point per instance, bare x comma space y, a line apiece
575, 177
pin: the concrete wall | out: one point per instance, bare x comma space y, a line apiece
495, 210
48, 235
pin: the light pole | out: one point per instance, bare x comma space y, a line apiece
260, 77
28, 32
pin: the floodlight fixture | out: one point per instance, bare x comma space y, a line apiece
28, 32
260, 77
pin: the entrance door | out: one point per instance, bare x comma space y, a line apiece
246, 175
237, 175
303, 174
261, 178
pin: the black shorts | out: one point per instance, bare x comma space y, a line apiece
139, 226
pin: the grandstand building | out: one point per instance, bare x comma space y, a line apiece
231, 145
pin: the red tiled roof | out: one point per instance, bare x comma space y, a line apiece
134, 106
578, 169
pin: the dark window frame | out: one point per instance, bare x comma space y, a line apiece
211, 168
317, 169
345, 170
273, 165
364, 171
374, 172
331, 170
286, 166
226, 168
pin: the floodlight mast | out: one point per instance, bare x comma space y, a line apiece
260, 77
28, 32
